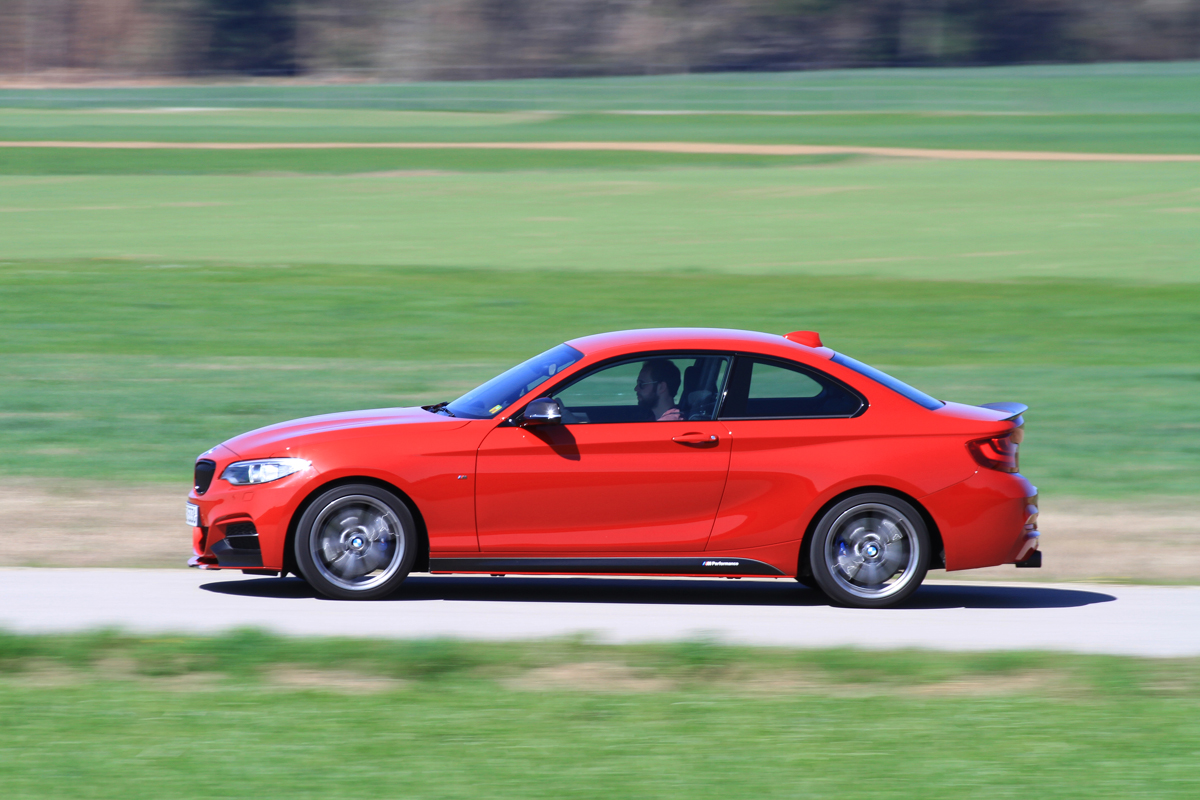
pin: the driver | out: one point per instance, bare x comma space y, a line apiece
657, 384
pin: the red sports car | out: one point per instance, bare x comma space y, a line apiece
695, 452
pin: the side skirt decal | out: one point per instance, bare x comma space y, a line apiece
608, 566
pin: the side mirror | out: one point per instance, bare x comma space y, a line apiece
543, 411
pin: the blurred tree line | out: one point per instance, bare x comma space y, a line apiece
467, 39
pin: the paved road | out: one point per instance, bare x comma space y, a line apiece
1134, 620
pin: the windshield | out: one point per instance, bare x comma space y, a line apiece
488, 400
916, 395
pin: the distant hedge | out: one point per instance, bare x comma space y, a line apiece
431, 39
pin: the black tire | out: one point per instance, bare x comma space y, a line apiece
808, 582
804, 575
871, 550
356, 542
805, 579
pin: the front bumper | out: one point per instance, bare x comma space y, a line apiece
237, 547
244, 527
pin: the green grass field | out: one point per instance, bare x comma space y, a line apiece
153, 303
1104, 133
907, 219
1136, 88
1132, 108
139, 367
355, 161
120, 717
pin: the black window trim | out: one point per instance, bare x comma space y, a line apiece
903, 389
516, 418
864, 403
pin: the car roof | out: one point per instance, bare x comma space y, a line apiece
604, 345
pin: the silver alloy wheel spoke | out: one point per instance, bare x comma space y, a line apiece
894, 558
873, 574
377, 529
348, 565
330, 549
358, 542
888, 530
345, 518
375, 557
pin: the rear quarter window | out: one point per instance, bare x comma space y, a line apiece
762, 389
898, 386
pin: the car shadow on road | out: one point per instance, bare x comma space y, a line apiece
992, 596
668, 592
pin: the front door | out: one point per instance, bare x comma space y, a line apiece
638, 465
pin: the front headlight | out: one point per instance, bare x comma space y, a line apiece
264, 470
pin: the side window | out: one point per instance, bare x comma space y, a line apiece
771, 390
769, 382
606, 392
648, 389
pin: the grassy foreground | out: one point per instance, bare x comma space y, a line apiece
113, 716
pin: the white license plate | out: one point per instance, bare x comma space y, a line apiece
193, 515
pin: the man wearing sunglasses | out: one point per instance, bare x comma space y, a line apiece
657, 384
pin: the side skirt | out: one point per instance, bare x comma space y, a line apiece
725, 567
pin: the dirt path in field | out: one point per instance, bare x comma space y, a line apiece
78, 524
85, 524
639, 147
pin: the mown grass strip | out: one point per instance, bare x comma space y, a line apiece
888, 218
93, 161
253, 654
117, 716
1080, 133
1082, 88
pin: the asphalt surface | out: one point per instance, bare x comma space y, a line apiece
1120, 620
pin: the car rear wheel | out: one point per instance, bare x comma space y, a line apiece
870, 551
356, 542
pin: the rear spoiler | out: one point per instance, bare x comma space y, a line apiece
1014, 410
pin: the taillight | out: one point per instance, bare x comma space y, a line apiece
997, 452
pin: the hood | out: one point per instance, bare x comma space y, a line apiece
282, 433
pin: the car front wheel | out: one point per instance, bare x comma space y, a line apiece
870, 551
356, 542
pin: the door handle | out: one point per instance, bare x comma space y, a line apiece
695, 438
